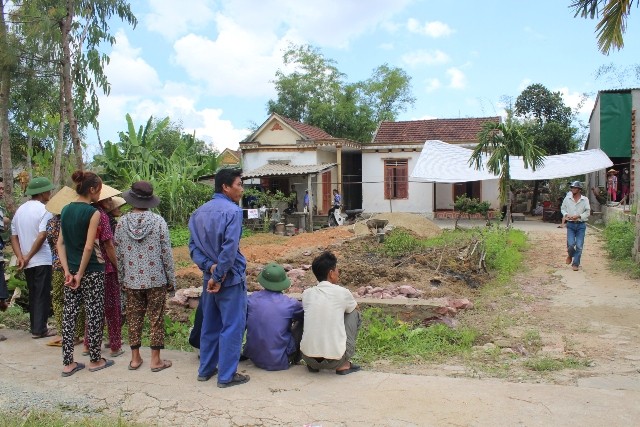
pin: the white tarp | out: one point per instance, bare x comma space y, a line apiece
442, 162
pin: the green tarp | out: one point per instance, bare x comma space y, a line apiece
615, 124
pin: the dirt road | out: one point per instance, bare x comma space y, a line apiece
591, 312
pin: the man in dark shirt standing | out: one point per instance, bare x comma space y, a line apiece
216, 228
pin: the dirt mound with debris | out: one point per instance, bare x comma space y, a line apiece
267, 247
418, 224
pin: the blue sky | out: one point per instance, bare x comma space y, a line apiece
209, 64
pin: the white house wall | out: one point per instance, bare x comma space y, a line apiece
420, 194
254, 159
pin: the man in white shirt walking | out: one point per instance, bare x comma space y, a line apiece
331, 320
29, 243
576, 211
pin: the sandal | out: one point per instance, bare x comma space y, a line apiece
236, 380
134, 368
352, 368
116, 353
79, 366
107, 363
165, 364
48, 333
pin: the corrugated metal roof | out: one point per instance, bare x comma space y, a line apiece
275, 169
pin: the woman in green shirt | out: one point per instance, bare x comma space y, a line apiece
83, 267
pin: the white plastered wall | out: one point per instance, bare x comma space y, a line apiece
420, 193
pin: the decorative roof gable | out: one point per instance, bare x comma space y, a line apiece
419, 131
308, 131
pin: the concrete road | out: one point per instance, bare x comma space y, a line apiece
30, 379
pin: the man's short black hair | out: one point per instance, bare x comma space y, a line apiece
226, 176
323, 264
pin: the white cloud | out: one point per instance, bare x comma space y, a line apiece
334, 23
525, 83
418, 57
457, 78
432, 84
172, 18
433, 29
238, 63
577, 101
137, 90
386, 46
128, 72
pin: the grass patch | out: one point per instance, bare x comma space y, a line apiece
504, 249
15, 318
180, 235
55, 419
384, 337
547, 364
619, 239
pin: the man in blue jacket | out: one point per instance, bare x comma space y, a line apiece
216, 228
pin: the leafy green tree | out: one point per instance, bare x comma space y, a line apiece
317, 93
160, 152
539, 103
84, 26
548, 121
499, 141
613, 16
8, 65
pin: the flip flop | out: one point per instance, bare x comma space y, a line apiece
57, 343
116, 353
165, 364
352, 368
85, 353
107, 363
79, 366
48, 333
134, 368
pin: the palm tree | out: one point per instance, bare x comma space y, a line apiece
613, 23
499, 141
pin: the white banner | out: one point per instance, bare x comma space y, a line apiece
448, 163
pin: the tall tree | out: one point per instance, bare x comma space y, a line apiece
8, 64
548, 121
613, 16
499, 141
84, 25
312, 90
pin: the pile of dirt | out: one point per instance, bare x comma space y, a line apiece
267, 247
418, 224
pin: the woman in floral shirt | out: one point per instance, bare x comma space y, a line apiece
145, 270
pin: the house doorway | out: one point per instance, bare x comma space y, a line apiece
471, 189
326, 193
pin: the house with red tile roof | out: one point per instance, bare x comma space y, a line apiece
392, 154
286, 155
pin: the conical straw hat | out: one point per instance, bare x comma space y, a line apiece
62, 198
108, 191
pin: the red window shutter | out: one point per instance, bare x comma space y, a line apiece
402, 183
388, 176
